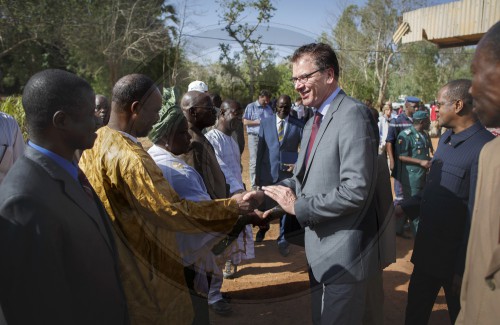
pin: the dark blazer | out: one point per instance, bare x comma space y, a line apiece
335, 191
268, 164
58, 257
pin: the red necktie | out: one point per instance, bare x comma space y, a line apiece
314, 131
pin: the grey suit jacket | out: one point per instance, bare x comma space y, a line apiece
58, 258
335, 193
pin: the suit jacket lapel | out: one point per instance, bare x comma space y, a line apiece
72, 189
327, 119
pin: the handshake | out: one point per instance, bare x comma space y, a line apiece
248, 203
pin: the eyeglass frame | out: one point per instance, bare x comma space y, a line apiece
438, 104
304, 78
212, 108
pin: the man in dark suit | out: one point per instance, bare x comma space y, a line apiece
331, 192
58, 257
277, 151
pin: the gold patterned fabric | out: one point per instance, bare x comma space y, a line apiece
146, 212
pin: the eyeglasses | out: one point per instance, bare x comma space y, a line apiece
303, 78
438, 104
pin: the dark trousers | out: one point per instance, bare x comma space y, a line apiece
422, 293
200, 303
337, 304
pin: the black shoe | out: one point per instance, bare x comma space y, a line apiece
259, 237
284, 250
226, 297
221, 307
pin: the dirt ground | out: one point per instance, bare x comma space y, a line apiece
272, 289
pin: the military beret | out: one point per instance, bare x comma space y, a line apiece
420, 115
412, 99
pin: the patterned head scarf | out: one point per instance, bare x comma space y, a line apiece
170, 116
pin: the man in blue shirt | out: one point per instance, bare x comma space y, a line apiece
254, 113
445, 206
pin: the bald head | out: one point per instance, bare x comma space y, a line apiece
283, 106
198, 109
132, 88
486, 77
193, 98
230, 116
135, 105
489, 45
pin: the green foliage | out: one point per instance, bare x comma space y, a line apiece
250, 64
14, 107
365, 49
415, 72
98, 40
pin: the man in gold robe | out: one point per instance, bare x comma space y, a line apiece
145, 210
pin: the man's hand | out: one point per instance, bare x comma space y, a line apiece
256, 197
245, 206
289, 167
256, 218
398, 212
425, 163
284, 196
274, 213
391, 163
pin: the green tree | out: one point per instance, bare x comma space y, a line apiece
415, 72
249, 64
363, 37
99, 40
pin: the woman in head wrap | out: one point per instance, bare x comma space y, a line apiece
171, 138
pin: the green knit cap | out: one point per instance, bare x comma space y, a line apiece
170, 116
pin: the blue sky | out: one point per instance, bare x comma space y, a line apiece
295, 22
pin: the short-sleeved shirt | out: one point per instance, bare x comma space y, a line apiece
11, 143
254, 111
412, 143
397, 125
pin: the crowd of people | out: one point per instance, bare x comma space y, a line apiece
97, 229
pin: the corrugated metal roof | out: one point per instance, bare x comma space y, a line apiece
452, 24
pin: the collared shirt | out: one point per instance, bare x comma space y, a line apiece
254, 111
186, 181
278, 122
396, 126
383, 128
446, 202
134, 139
228, 156
11, 143
70, 166
299, 109
325, 106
